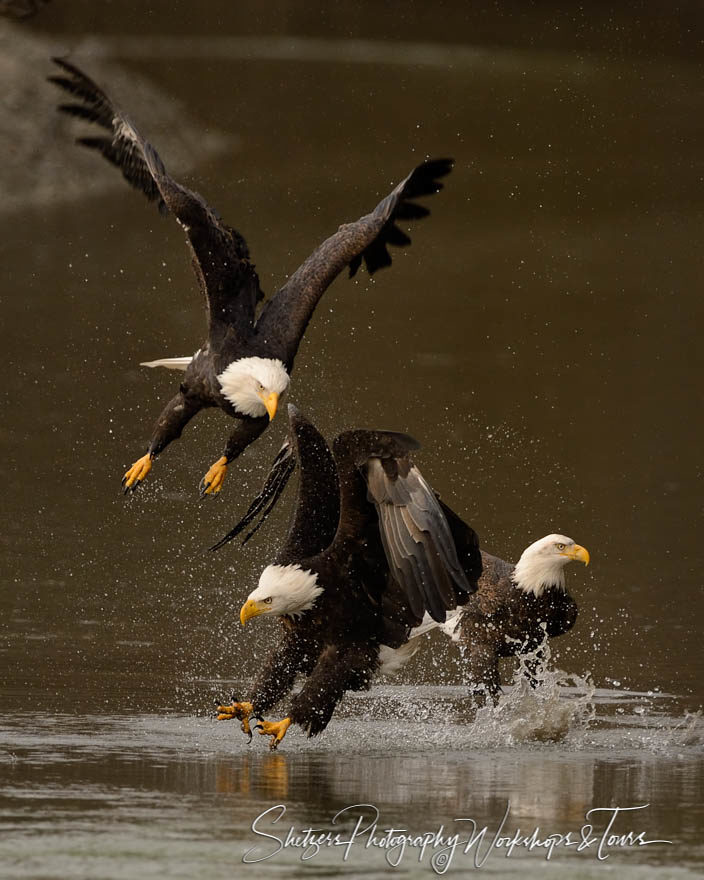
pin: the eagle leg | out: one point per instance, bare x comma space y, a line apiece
241, 711
480, 695
139, 470
173, 419
275, 729
211, 484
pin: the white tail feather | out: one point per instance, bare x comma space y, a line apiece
392, 660
450, 627
169, 363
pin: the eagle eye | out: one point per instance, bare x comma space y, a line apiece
267, 601
560, 546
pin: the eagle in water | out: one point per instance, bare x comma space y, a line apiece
245, 363
514, 610
370, 550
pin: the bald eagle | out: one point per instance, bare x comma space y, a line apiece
245, 364
361, 566
515, 609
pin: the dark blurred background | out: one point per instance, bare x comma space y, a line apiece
540, 337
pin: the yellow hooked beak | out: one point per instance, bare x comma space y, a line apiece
581, 554
271, 402
251, 608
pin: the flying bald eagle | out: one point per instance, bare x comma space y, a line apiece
245, 364
513, 611
360, 568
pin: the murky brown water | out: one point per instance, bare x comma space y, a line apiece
541, 339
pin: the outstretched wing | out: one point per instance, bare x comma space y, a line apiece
317, 507
222, 259
285, 317
420, 545
418, 541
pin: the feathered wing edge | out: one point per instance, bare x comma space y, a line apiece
316, 512
419, 543
418, 540
128, 150
286, 315
223, 269
422, 181
280, 473
125, 148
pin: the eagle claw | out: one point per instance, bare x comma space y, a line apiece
242, 711
275, 729
211, 484
134, 476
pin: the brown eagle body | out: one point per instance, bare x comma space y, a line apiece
394, 554
502, 620
227, 278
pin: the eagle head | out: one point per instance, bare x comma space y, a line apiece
253, 385
283, 590
541, 565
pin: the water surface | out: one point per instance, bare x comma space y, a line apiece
540, 338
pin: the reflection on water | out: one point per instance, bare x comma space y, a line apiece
107, 784
540, 337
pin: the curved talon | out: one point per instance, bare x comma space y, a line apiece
241, 711
275, 729
211, 484
139, 470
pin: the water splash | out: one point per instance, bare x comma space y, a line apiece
560, 705
665, 735
541, 713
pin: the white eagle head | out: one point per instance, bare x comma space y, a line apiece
541, 565
283, 590
253, 385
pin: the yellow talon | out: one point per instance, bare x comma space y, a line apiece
241, 711
139, 470
275, 729
212, 482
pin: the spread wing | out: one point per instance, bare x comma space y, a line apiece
421, 551
222, 266
421, 548
285, 317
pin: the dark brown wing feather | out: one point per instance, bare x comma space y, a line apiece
285, 317
419, 543
222, 265
317, 508
375, 472
258, 511
124, 147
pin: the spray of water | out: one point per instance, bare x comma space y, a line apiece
542, 704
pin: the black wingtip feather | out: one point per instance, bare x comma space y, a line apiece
398, 237
63, 82
80, 111
411, 211
354, 265
66, 65
422, 181
282, 468
124, 147
377, 257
